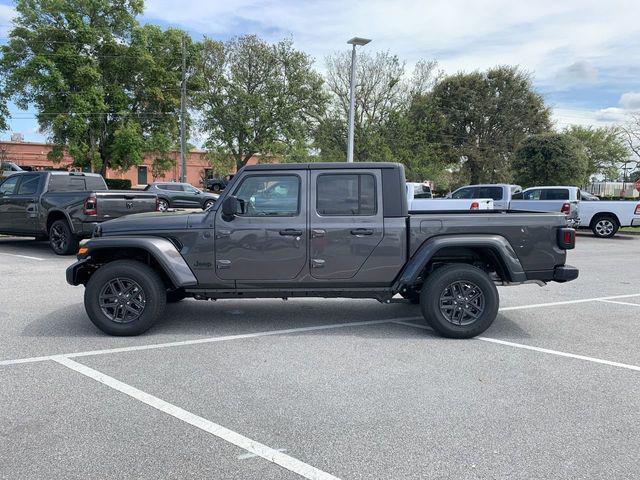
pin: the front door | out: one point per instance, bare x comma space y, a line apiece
346, 221
269, 240
24, 210
8, 189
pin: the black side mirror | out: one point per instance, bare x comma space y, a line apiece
231, 207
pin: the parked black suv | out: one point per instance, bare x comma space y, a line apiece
180, 195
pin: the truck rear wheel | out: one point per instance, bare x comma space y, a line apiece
604, 226
125, 297
61, 238
459, 301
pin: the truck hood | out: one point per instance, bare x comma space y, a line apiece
141, 223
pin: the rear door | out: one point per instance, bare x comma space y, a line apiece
346, 221
268, 242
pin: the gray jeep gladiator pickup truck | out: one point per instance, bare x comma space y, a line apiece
319, 230
63, 206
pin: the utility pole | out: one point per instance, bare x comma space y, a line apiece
183, 112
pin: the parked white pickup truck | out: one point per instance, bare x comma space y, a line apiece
604, 218
509, 197
418, 201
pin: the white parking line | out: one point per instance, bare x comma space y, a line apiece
200, 341
21, 256
538, 349
293, 464
568, 302
620, 303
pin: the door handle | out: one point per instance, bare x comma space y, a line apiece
317, 263
223, 264
291, 232
222, 233
358, 232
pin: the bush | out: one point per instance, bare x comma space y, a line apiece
118, 184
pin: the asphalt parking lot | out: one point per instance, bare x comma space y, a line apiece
323, 389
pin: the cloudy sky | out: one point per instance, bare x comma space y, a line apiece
584, 55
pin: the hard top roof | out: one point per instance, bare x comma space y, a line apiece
321, 166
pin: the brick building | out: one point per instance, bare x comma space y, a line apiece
34, 156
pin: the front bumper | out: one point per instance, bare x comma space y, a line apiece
77, 273
565, 273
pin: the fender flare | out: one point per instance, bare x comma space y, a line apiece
66, 215
161, 249
497, 243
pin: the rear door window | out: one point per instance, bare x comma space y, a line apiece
29, 185
555, 194
346, 194
495, 193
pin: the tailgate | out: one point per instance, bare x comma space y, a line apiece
117, 203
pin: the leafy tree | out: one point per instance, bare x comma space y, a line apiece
412, 138
550, 159
604, 147
484, 116
104, 87
631, 133
383, 94
258, 98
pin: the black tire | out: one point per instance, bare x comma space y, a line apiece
61, 239
163, 205
605, 226
441, 313
147, 283
207, 204
216, 188
175, 296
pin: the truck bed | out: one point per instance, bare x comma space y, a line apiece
523, 230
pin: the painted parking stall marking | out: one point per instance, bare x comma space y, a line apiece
620, 303
251, 446
538, 349
28, 257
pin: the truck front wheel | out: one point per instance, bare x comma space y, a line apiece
125, 297
459, 301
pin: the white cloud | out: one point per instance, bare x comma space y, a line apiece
630, 101
545, 36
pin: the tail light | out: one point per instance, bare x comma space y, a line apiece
475, 206
566, 208
637, 212
566, 238
91, 206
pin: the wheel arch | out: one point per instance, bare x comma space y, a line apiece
600, 215
494, 249
54, 216
159, 253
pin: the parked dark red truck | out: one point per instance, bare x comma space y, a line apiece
319, 230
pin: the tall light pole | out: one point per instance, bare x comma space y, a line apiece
352, 97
